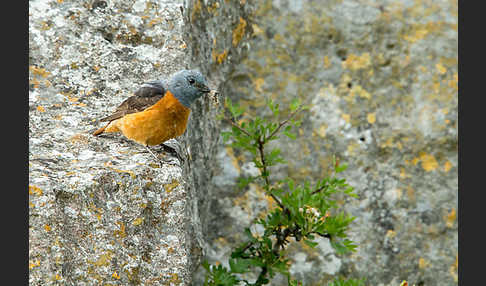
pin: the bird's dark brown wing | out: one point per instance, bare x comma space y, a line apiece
147, 95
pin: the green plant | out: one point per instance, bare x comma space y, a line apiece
304, 210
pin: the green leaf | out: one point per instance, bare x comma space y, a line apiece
341, 168
348, 282
226, 135
311, 243
218, 275
290, 135
243, 182
239, 265
343, 247
294, 104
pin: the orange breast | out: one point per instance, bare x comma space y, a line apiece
162, 121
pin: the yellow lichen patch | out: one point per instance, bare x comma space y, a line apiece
154, 21
450, 218
138, 221
417, 34
415, 161
343, 84
39, 71
399, 193
327, 62
354, 62
454, 81
121, 231
351, 148
115, 275
371, 117
403, 174
447, 166
360, 91
388, 143
72, 99
132, 174
423, 263
322, 130
196, 9
271, 203
256, 30
428, 162
171, 186
411, 194
104, 259
258, 82
41, 108
219, 58
239, 32
453, 269
390, 233
174, 278
346, 117
436, 87
440, 68
34, 264
234, 160
242, 201
47, 227
79, 138
35, 190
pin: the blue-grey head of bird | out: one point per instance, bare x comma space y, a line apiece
188, 85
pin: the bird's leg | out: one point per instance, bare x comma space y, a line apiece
173, 151
153, 154
166, 149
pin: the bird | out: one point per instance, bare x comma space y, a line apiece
158, 111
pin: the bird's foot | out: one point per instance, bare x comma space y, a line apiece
173, 151
169, 160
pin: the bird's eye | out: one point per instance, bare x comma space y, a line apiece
191, 81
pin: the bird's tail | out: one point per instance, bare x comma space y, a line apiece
101, 130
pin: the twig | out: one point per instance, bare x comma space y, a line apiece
320, 189
237, 126
282, 123
265, 175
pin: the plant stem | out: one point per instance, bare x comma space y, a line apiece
282, 123
264, 173
237, 126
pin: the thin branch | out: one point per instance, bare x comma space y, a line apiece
282, 123
265, 175
320, 189
237, 126
326, 235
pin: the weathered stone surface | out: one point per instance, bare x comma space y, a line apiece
101, 210
219, 32
381, 78
382, 81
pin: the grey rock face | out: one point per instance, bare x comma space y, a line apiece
381, 78
101, 210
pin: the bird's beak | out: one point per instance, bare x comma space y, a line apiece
204, 89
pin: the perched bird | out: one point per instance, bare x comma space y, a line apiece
159, 110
